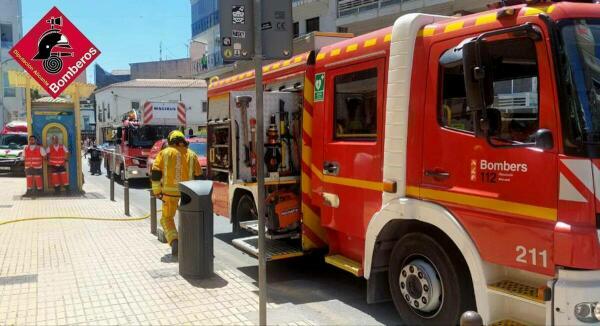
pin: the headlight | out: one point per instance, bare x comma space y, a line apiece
587, 312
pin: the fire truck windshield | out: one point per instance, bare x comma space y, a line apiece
146, 136
580, 73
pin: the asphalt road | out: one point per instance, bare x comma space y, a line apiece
305, 288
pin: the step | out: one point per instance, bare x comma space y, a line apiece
345, 263
520, 290
252, 227
276, 248
507, 322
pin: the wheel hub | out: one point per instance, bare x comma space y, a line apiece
420, 286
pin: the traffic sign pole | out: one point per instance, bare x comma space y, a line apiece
260, 167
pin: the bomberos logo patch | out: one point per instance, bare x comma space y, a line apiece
54, 52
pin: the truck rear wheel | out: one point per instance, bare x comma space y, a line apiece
245, 211
426, 284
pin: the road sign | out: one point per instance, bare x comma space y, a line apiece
54, 52
237, 24
277, 29
319, 87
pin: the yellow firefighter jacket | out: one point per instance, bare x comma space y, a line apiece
176, 164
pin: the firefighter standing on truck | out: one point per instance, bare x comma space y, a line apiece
34, 161
173, 164
58, 156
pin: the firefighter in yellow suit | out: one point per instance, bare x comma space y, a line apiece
173, 164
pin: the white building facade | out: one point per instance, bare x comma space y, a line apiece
116, 100
12, 104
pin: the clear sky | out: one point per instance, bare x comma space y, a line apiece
125, 31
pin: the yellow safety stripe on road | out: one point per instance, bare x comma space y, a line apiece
350, 182
75, 218
503, 206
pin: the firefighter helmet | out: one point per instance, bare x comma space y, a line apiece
48, 41
176, 137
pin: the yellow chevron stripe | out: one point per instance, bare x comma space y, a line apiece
530, 11
309, 91
356, 183
321, 56
306, 154
312, 221
370, 42
307, 123
428, 31
307, 244
387, 38
503, 206
306, 185
335, 52
351, 47
486, 19
454, 26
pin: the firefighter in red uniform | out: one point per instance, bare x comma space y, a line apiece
34, 157
58, 156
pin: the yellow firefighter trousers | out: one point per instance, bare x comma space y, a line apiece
167, 220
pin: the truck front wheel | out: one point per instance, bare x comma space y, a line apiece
426, 284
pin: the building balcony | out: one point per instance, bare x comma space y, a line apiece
303, 9
361, 16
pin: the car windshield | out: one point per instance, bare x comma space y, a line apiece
198, 148
581, 74
146, 136
13, 141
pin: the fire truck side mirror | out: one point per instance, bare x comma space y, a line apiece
478, 76
544, 139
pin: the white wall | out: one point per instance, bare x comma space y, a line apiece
324, 9
121, 98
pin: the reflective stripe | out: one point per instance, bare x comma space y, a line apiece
56, 156
177, 168
165, 168
191, 159
33, 157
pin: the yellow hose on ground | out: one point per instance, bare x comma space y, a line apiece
77, 218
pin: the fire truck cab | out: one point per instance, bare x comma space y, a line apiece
453, 162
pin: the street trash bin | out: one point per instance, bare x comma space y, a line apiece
196, 229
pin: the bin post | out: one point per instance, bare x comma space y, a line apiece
196, 229
152, 212
126, 196
112, 179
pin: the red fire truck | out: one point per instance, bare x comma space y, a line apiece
135, 137
453, 162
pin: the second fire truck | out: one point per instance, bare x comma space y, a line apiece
450, 161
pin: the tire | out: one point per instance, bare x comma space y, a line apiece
420, 260
245, 211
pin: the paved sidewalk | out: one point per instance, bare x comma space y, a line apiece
103, 272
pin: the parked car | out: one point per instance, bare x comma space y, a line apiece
198, 145
11, 153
